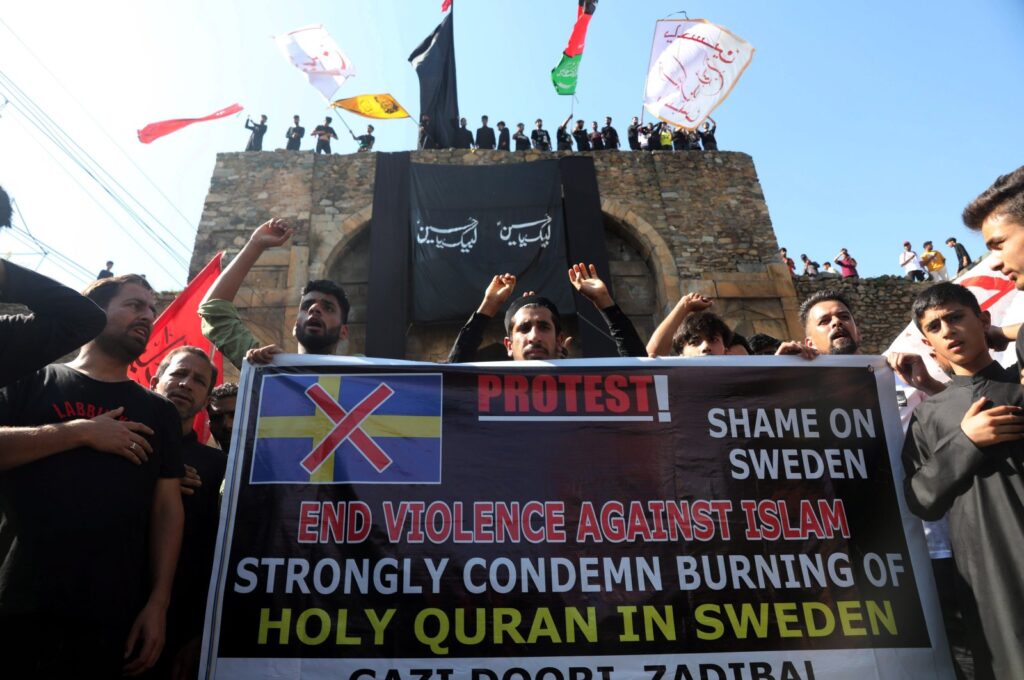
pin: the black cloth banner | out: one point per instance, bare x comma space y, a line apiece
469, 223
581, 515
434, 61
387, 304
584, 228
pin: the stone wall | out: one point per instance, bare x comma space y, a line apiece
881, 305
674, 223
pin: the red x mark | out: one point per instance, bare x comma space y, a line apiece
346, 426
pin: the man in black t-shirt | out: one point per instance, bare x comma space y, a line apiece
540, 137
503, 136
186, 377
633, 134
963, 259
365, 141
484, 135
610, 134
463, 137
90, 504
294, 135
255, 142
324, 133
522, 141
579, 133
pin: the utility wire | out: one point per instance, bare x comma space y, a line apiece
100, 127
91, 195
55, 133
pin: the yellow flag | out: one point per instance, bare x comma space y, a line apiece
373, 106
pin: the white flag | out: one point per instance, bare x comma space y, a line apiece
314, 52
695, 73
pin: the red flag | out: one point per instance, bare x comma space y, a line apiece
166, 127
579, 31
178, 325
446, 5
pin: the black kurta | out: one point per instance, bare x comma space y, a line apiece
503, 140
485, 138
982, 490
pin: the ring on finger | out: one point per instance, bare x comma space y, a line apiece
132, 447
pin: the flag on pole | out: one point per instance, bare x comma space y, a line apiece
446, 5
434, 61
565, 75
695, 74
373, 106
155, 131
178, 326
313, 51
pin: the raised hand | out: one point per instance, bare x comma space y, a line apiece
586, 281
262, 355
498, 292
271, 234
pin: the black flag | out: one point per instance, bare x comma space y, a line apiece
434, 61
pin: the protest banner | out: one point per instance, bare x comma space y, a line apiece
626, 518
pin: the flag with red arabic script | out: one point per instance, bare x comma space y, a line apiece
313, 51
165, 127
695, 74
178, 326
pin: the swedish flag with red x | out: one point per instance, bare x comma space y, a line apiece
330, 429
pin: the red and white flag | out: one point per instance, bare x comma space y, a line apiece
313, 51
695, 73
178, 326
166, 127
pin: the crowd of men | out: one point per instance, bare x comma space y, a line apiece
639, 137
324, 133
653, 137
109, 500
930, 265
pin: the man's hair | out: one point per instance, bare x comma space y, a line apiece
926, 244
1004, 197
941, 295
502, 123
329, 287
760, 342
950, 239
370, 128
104, 290
6, 210
738, 339
538, 121
110, 263
824, 295
701, 326
532, 301
228, 389
194, 351
327, 119
484, 118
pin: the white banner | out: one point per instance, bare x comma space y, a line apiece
313, 51
695, 73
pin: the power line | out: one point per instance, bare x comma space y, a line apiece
100, 127
58, 136
102, 207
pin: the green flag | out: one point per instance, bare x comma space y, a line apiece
565, 74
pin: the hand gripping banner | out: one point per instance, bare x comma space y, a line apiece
571, 520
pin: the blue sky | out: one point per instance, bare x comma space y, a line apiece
869, 122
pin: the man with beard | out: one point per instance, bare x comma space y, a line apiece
92, 514
533, 324
319, 326
610, 135
633, 134
221, 412
186, 377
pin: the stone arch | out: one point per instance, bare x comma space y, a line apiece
652, 247
324, 249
